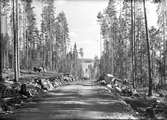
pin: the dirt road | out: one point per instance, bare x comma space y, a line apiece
79, 100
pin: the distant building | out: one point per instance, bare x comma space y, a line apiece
86, 64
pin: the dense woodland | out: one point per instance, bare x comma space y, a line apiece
25, 45
37, 57
132, 50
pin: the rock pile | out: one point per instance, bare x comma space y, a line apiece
146, 107
14, 94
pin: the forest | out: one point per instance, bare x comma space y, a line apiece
132, 50
25, 45
39, 64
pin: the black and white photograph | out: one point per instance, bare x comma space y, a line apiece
83, 59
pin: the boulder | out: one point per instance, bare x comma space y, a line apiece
103, 82
141, 104
8, 91
47, 84
109, 86
23, 91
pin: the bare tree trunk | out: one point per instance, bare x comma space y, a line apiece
17, 34
160, 67
165, 43
27, 51
65, 65
112, 57
50, 46
148, 52
43, 43
134, 38
1, 79
25, 37
141, 66
43, 51
7, 55
132, 67
15, 30
7, 50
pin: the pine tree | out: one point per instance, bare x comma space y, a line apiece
48, 24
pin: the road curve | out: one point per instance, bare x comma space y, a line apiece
79, 100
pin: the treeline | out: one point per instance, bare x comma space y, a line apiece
132, 50
26, 45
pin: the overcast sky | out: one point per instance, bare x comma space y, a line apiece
83, 25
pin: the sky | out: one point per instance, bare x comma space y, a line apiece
83, 26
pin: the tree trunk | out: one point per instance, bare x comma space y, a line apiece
17, 34
134, 38
112, 54
7, 50
163, 82
132, 67
160, 65
27, 51
50, 45
7, 56
148, 51
15, 30
43, 52
1, 79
